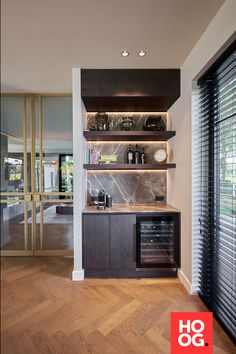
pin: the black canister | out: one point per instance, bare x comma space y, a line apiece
108, 201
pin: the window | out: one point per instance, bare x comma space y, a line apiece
214, 190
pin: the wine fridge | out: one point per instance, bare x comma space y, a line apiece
158, 241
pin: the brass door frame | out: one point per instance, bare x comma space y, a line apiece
26, 201
33, 197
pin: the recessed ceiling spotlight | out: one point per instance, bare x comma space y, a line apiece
142, 53
124, 53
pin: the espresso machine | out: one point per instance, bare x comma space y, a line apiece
101, 199
104, 200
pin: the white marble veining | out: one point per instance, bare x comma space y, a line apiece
128, 187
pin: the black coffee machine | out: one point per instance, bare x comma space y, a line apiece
101, 199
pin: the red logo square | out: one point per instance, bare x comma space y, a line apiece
191, 332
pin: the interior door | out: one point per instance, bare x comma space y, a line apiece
36, 175
53, 179
16, 205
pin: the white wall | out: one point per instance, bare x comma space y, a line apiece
180, 179
79, 172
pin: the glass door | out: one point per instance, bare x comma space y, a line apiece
16, 206
53, 175
36, 175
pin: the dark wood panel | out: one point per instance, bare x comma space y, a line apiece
131, 273
130, 82
96, 241
122, 241
129, 104
114, 166
128, 135
130, 89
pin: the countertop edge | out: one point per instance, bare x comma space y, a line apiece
132, 210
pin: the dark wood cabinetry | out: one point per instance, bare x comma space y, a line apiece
122, 241
140, 90
96, 241
109, 241
110, 245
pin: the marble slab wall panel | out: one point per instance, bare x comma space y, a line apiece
116, 118
128, 187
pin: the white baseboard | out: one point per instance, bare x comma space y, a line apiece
192, 289
78, 275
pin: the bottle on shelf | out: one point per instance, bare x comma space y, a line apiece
130, 155
136, 155
143, 156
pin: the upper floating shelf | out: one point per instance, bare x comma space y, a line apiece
117, 166
116, 135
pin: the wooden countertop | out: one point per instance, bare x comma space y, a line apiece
123, 209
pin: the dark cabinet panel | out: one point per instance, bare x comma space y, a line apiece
96, 241
129, 90
122, 241
130, 245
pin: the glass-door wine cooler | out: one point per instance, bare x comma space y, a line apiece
158, 243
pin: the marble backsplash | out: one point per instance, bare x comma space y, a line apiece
128, 187
116, 118
120, 149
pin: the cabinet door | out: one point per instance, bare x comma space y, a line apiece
123, 241
96, 241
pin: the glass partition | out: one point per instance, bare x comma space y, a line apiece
36, 174
12, 145
15, 230
57, 144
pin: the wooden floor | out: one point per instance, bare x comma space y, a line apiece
43, 311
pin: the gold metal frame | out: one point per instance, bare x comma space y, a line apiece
34, 196
25, 252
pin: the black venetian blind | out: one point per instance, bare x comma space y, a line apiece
217, 190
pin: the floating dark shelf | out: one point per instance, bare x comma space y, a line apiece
116, 135
159, 166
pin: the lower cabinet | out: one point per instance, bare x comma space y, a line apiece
122, 241
109, 241
130, 245
96, 241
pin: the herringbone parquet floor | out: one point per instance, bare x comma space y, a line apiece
43, 311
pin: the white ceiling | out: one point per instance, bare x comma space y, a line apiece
43, 40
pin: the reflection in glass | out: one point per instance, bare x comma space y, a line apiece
12, 145
66, 173
57, 227
57, 144
51, 173
14, 173
14, 234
